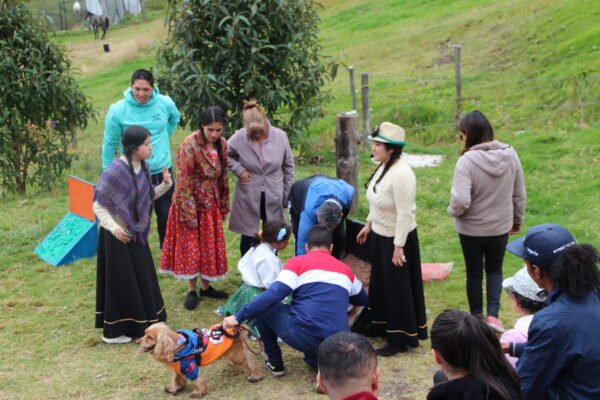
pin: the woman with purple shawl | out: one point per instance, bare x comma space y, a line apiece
128, 297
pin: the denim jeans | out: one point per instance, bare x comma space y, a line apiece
279, 322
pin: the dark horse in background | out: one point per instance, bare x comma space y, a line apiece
98, 22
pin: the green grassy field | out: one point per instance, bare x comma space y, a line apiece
532, 67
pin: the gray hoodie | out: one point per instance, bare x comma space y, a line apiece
488, 190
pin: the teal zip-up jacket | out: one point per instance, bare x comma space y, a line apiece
159, 115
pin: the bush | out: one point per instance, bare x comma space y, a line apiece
40, 102
222, 53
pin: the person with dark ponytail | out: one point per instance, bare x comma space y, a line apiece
396, 298
488, 204
469, 355
128, 297
561, 359
195, 245
259, 267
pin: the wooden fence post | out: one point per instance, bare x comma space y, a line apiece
352, 87
346, 150
366, 112
458, 98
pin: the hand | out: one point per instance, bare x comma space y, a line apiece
230, 322
505, 346
245, 177
122, 236
398, 258
361, 238
515, 229
167, 176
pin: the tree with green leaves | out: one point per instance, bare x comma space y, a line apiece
222, 53
40, 102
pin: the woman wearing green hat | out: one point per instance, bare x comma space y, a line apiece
396, 298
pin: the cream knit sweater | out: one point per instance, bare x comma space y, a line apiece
392, 209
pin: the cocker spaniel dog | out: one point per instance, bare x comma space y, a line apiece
185, 351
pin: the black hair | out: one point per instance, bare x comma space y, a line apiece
270, 232
133, 137
144, 75
345, 356
477, 129
528, 305
319, 236
210, 115
575, 271
386, 166
466, 342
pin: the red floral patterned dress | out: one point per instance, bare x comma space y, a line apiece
194, 244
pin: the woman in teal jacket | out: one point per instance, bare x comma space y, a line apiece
143, 105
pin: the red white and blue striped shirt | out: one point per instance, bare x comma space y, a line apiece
321, 287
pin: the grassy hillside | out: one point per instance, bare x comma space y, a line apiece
532, 67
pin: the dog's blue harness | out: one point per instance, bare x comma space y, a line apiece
189, 358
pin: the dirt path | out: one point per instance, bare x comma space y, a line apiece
126, 43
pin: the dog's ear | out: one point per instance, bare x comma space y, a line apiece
165, 347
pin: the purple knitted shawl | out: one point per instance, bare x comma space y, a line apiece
116, 192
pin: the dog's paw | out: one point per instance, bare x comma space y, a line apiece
255, 378
173, 389
197, 395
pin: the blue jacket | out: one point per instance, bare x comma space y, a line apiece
561, 359
159, 115
321, 188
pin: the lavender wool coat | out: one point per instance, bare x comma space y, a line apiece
275, 173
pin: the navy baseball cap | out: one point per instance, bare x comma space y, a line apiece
542, 244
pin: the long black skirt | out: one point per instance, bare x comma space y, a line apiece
396, 298
128, 297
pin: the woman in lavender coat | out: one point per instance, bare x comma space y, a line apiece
260, 156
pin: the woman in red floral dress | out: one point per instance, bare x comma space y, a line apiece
194, 245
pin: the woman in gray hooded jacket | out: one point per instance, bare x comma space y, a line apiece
488, 204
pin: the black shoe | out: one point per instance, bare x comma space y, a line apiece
391, 349
213, 293
191, 300
275, 370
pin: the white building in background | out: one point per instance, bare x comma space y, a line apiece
114, 9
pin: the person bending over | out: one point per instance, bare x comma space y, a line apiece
320, 199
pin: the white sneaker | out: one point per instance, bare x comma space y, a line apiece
118, 340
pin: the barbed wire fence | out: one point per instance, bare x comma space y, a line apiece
442, 89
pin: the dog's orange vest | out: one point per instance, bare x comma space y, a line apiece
208, 346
